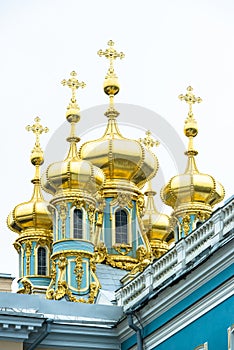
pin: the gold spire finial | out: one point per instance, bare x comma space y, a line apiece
111, 54
190, 98
149, 141
73, 83
37, 153
111, 85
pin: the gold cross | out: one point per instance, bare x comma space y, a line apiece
190, 98
73, 84
111, 54
37, 129
149, 141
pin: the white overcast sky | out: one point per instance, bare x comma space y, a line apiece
169, 44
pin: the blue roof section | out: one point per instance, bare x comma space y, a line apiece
110, 277
38, 306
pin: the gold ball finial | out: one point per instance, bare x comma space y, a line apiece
73, 109
111, 85
37, 153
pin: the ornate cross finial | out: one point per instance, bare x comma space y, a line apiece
37, 129
111, 54
73, 84
190, 98
149, 141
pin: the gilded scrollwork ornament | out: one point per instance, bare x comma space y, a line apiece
62, 263
123, 248
140, 205
100, 252
79, 271
28, 251
78, 203
122, 200
27, 287
143, 260
115, 261
17, 246
185, 224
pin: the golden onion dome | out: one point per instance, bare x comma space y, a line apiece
72, 175
120, 158
192, 190
33, 214
157, 224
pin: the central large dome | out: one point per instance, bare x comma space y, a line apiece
120, 158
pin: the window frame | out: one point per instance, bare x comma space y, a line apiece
46, 260
80, 221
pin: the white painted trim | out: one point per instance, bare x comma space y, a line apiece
169, 297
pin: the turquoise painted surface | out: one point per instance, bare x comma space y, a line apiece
85, 278
211, 328
73, 245
33, 260
107, 224
24, 264
40, 281
87, 227
185, 303
20, 265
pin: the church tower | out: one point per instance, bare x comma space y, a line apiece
74, 184
127, 164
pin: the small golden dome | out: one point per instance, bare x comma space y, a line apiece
192, 187
72, 175
33, 214
192, 191
118, 157
157, 225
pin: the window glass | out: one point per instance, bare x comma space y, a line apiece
41, 261
121, 226
78, 224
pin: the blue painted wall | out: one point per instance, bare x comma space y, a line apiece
211, 327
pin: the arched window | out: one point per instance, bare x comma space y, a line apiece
78, 224
121, 226
41, 261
